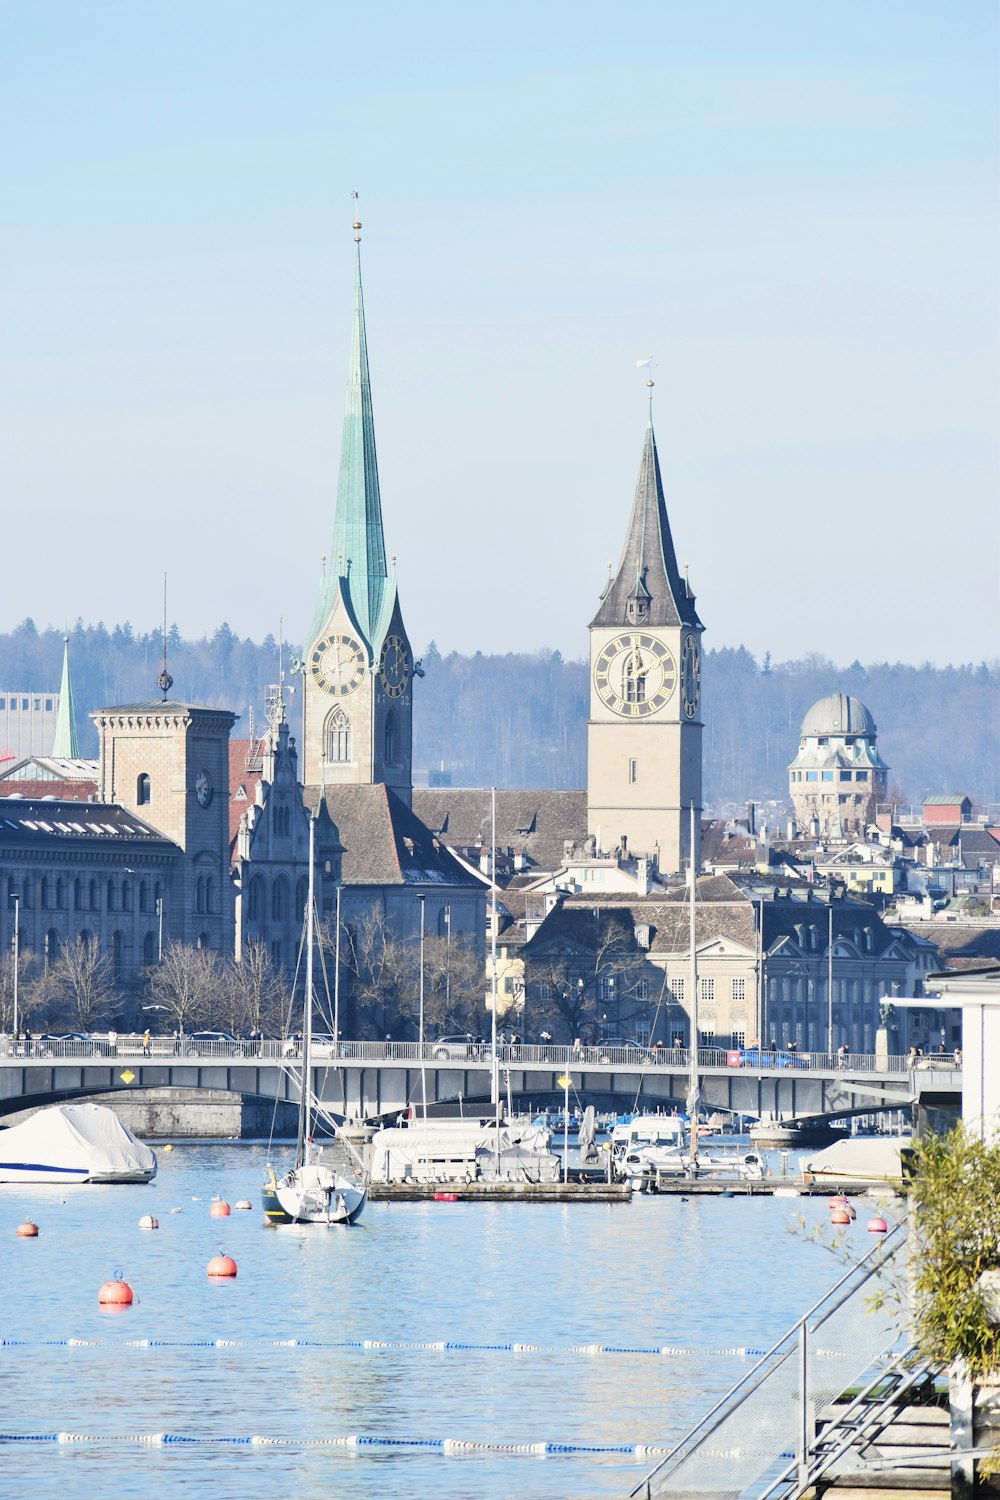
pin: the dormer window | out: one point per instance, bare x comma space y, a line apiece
635, 610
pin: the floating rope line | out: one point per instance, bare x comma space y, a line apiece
664, 1351
447, 1446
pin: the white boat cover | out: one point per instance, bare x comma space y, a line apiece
74, 1143
859, 1158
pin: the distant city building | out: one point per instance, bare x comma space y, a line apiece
27, 724
838, 775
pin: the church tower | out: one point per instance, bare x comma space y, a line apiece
358, 667
644, 732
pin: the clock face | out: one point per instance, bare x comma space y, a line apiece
202, 789
338, 664
394, 667
635, 674
690, 676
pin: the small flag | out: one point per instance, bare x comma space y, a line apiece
644, 364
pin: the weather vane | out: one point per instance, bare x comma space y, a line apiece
356, 226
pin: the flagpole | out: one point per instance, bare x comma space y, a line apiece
693, 1090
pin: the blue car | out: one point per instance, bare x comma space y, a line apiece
757, 1057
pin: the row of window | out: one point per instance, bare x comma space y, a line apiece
830, 776
280, 895
53, 893
10, 705
52, 947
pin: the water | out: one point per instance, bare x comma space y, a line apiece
708, 1273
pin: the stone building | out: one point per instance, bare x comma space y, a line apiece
644, 732
838, 775
763, 965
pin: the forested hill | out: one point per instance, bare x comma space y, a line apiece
520, 720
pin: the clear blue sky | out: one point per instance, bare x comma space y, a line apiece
792, 206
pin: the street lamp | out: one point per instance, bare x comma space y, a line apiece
17, 955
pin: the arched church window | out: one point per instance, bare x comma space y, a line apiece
92, 901
301, 896
45, 893
149, 949
279, 900
117, 954
635, 679
51, 947
338, 737
256, 898
142, 790
209, 894
391, 740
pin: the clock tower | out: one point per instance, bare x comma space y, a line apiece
644, 731
358, 667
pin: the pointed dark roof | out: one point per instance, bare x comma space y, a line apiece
648, 567
384, 843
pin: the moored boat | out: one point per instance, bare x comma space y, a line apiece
74, 1143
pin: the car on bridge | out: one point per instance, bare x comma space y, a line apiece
767, 1057
321, 1044
456, 1046
215, 1043
69, 1044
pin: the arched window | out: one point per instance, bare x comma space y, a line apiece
279, 900
143, 895
78, 894
93, 900
45, 893
118, 954
209, 893
199, 893
85, 938
51, 947
338, 737
126, 895
256, 898
635, 680
112, 896
28, 892
60, 893
142, 790
391, 740
149, 949
301, 897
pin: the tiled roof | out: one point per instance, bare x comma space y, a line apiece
539, 822
965, 941
34, 822
385, 843
242, 782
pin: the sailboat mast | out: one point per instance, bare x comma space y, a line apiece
302, 1149
693, 1090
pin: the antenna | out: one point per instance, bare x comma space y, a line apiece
164, 682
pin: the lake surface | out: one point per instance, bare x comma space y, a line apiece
707, 1274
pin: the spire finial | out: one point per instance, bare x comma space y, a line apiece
356, 226
164, 682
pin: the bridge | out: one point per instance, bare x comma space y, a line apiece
366, 1080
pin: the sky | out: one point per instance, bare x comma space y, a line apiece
791, 206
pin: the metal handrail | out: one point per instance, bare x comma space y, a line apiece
870, 1262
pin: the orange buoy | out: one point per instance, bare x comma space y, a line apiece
840, 1216
221, 1265
445, 1197
877, 1225
149, 1222
243, 1203
27, 1231
115, 1293
219, 1209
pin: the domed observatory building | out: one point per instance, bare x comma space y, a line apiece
838, 775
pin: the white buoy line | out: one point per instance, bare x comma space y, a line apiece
438, 1346
447, 1446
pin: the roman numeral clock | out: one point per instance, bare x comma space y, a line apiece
635, 675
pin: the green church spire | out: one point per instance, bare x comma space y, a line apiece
65, 744
357, 567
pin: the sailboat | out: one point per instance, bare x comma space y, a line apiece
312, 1192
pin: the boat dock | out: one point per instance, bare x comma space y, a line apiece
576, 1191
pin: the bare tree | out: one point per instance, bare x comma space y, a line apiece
30, 994
82, 983
454, 984
257, 992
186, 984
383, 972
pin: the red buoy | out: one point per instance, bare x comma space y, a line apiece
445, 1197
219, 1209
27, 1231
149, 1222
115, 1294
221, 1265
840, 1216
878, 1225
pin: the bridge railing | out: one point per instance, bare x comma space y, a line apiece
472, 1053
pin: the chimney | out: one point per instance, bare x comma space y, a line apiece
751, 824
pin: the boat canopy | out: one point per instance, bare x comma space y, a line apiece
74, 1143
